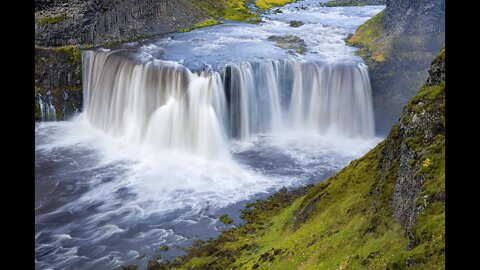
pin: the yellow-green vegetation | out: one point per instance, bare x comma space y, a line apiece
225, 219
347, 221
205, 23
267, 4
368, 38
235, 10
51, 19
74, 51
57, 60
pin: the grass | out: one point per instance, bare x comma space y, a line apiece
52, 20
74, 51
235, 10
205, 23
225, 219
267, 4
368, 35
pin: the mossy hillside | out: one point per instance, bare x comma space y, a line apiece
204, 23
346, 222
368, 35
235, 10
51, 19
267, 4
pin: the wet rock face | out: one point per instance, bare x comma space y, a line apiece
62, 22
414, 17
422, 121
58, 79
412, 33
436, 71
290, 42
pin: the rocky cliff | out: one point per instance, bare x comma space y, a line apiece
385, 210
399, 45
66, 26
58, 82
74, 22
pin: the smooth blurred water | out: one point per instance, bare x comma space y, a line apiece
101, 200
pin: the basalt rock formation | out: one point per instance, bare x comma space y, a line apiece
399, 44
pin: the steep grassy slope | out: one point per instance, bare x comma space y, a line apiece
236, 10
385, 210
267, 4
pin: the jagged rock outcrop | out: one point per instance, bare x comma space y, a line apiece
58, 80
96, 22
414, 17
60, 24
422, 121
399, 45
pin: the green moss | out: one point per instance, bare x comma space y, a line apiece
74, 51
225, 219
267, 4
236, 10
205, 23
367, 37
164, 248
51, 20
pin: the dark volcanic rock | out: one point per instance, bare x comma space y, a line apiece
411, 34
96, 22
422, 121
296, 23
58, 78
290, 42
414, 17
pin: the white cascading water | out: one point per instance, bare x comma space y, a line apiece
47, 110
160, 105
163, 105
305, 96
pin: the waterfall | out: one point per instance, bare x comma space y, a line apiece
47, 110
163, 105
160, 105
309, 97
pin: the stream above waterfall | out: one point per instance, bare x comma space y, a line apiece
179, 130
